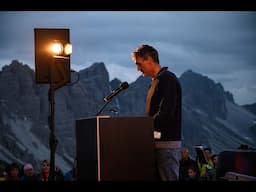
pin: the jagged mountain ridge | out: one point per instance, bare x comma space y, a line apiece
210, 115
250, 107
25, 101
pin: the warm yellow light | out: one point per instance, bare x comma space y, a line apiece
57, 48
68, 49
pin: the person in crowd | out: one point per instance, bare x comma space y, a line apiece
3, 173
193, 173
212, 172
29, 174
185, 163
13, 171
206, 167
71, 175
44, 174
59, 175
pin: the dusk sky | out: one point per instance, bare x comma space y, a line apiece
217, 44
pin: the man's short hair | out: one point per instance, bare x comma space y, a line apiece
146, 50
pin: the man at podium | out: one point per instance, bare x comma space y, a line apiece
163, 103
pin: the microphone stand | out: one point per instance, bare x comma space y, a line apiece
103, 107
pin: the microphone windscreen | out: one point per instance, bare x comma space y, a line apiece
124, 85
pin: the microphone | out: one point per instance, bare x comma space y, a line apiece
114, 92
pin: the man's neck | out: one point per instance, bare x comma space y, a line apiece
156, 70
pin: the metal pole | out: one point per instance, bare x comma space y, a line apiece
52, 140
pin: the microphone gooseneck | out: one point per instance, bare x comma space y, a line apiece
114, 92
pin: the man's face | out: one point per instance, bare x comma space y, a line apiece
207, 153
143, 65
45, 167
28, 172
184, 154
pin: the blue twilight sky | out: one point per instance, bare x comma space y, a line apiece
218, 44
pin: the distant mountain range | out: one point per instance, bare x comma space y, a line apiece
210, 115
251, 108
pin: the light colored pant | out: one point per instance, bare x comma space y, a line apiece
167, 164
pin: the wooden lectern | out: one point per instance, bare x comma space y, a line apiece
115, 149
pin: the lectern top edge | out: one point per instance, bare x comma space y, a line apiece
108, 116
93, 117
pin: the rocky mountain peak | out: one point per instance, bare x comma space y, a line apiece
199, 90
97, 69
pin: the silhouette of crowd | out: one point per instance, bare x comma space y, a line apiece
200, 168
26, 172
190, 169
197, 169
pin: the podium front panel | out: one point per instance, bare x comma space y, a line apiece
86, 149
115, 149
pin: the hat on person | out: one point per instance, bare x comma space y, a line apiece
28, 166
